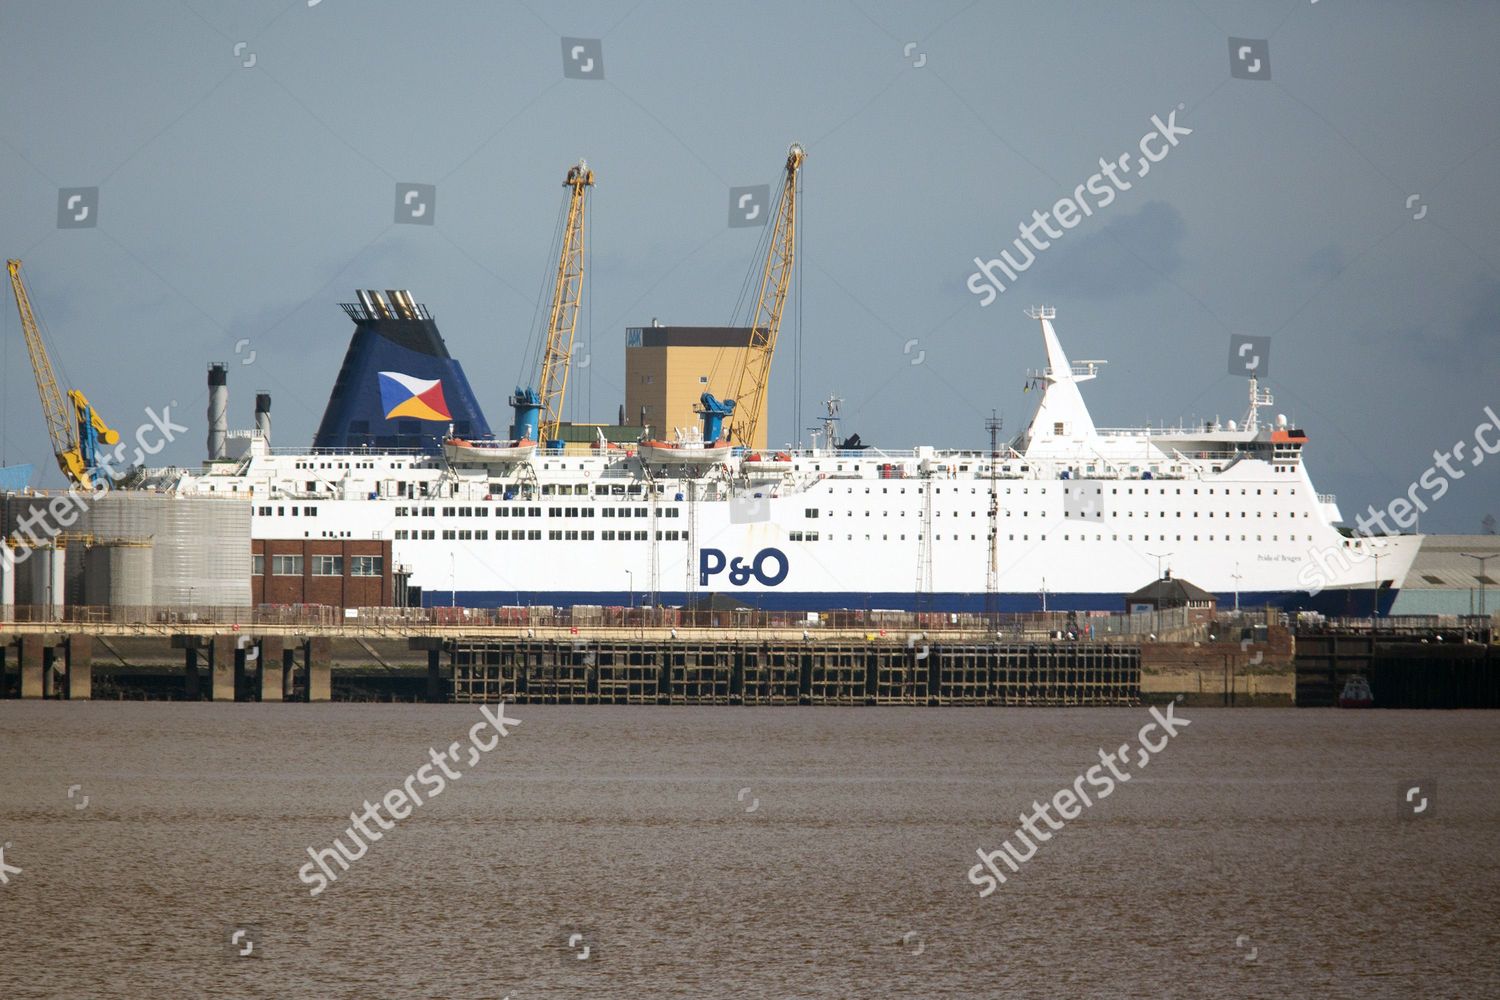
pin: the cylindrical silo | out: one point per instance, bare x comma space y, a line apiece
47, 569
7, 581
119, 574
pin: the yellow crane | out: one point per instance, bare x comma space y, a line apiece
754, 368
75, 428
540, 411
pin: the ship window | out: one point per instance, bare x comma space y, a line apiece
555, 535
449, 533
640, 536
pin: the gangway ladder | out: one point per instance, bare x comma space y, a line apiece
691, 488
924, 547
655, 541
992, 575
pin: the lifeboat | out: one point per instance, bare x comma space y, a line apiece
462, 452
687, 448
757, 462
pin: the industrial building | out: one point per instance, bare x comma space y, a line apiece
668, 368
1452, 575
125, 549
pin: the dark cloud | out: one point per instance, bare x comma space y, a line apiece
1132, 253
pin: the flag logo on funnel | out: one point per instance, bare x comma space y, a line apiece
406, 396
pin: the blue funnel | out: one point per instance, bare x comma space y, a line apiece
398, 386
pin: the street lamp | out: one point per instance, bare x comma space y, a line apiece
1482, 577
1236, 578
1159, 556
630, 580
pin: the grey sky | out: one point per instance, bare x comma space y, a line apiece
245, 203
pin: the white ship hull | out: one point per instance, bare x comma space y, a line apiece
1083, 518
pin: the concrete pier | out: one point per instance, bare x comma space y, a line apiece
268, 664
80, 672
33, 666
223, 655
318, 655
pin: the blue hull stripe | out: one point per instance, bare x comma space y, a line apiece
1329, 602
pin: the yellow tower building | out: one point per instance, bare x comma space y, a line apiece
667, 368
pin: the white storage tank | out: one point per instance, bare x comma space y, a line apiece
46, 570
118, 574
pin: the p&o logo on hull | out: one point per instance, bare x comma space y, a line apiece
768, 568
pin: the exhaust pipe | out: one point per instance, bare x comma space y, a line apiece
218, 409
263, 416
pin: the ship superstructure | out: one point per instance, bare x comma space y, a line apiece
1083, 515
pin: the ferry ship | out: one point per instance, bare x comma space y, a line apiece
1082, 515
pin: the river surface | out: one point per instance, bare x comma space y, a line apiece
745, 852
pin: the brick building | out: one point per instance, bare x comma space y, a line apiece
340, 573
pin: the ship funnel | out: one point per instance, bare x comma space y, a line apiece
263, 416
366, 301
381, 309
218, 409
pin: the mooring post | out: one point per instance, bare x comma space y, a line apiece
269, 661
80, 675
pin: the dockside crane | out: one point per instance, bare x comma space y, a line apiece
75, 427
740, 415
539, 411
